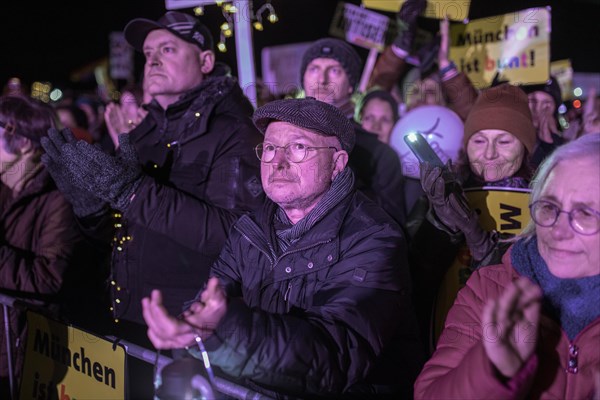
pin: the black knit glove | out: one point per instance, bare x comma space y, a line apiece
113, 179
407, 23
84, 203
450, 206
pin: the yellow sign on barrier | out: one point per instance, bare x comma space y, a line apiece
517, 45
66, 363
438, 9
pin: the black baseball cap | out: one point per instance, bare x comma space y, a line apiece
182, 25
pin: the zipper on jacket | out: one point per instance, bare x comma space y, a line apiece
258, 247
286, 296
572, 364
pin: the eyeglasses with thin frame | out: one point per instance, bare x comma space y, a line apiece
294, 152
583, 220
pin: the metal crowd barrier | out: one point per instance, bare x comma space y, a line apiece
222, 386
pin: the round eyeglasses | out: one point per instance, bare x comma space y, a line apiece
583, 220
294, 152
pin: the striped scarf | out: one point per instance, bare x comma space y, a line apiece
289, 234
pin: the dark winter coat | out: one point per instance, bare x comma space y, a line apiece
378, 173
328, 317
38, 241
200, 175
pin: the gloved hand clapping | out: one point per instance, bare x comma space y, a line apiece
452, 209
84, 203
112, 179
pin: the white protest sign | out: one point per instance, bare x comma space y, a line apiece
281, 67
359, 26
121, 57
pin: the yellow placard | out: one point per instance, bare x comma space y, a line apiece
501, 209
63, 362
515, 45
562, 71
438, 9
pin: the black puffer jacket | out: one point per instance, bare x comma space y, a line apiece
201, 174
322, 318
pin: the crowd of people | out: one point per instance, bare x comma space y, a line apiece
286, 244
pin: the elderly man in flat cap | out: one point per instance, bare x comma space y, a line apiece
310, 296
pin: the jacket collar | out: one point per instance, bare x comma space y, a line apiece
203, 96
259, 227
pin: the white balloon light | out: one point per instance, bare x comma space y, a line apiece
440, 126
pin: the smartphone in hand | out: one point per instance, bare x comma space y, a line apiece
422, 150
425, 154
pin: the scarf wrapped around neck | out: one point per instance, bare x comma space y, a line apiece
288, 233
573, 302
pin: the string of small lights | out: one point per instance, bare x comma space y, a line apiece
229, 10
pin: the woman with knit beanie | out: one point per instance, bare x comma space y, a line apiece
499, 136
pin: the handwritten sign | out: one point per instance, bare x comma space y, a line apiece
517, 45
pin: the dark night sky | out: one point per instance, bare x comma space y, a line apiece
42, 41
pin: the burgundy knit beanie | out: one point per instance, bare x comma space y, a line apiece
503, 107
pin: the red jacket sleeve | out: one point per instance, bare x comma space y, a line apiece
460, 368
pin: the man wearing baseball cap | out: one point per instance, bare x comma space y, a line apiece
330, 72
310, 296
182, 176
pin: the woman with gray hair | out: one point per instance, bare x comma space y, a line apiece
530, 327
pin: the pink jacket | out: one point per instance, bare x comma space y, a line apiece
460, 369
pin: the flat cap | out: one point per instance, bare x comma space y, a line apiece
308, 113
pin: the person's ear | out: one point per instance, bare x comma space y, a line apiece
340, 160
207, 61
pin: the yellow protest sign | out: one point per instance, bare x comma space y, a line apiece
501, 209
562, 71
438, 9
517, 45
63, 362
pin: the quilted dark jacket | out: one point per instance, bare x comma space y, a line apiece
329, 317
200, 175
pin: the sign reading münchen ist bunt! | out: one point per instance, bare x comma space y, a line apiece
66, 363
515, 45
